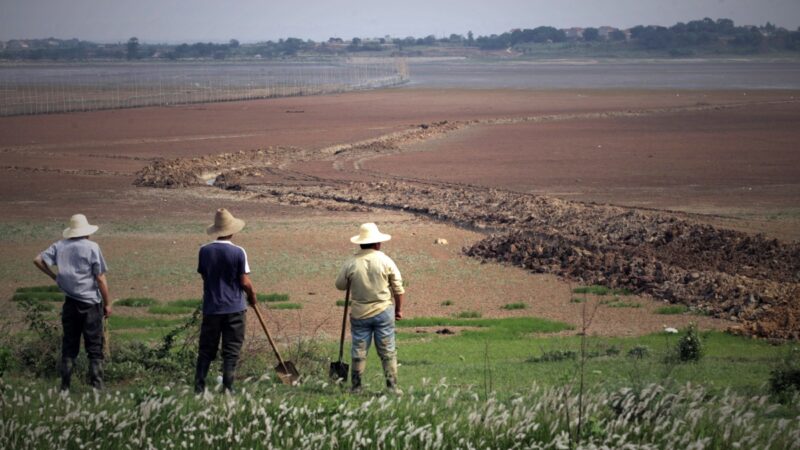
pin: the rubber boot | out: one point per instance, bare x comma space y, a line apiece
359, 365
96, 373
65, 369
390, 372
200, 375
228, 375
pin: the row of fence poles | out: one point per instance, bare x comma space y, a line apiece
44, 89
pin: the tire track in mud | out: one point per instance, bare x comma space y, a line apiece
749, 279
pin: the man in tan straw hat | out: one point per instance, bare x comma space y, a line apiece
82, 277
226, 280
374, 281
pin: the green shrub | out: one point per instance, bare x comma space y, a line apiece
272, 297
136, 302
577, 300
512, 306
340, 303
5, 360
784, 380
447, 303
689, 346
672, 309
467, 315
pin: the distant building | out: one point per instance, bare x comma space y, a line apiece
574, 33
605, 31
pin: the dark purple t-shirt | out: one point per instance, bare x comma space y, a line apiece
222, 264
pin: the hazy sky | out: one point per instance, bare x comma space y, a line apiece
253, 20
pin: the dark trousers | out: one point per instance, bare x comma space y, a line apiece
82, 319
230, 327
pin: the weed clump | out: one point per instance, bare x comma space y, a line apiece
639, 352
784, 380
690, 349
467, 315
512, 306
672, 309
137, 302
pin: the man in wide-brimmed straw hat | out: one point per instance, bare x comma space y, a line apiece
374, 282
226, 280
81, 276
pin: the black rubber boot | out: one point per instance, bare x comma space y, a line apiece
200, 375
65, 369
355, 377
228, 375
96, 373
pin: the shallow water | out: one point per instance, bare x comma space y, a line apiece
591, 74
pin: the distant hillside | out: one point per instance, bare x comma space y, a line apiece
695, 38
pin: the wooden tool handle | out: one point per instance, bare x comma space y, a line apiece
269, 338
344, 320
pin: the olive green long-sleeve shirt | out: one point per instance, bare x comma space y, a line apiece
373, 278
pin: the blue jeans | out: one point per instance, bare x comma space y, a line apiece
381, 327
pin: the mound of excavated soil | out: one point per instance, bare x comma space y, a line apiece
730, 274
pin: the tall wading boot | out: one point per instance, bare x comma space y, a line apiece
228, 375
200, 374
390, 372
96, 373
359, 365
65, 369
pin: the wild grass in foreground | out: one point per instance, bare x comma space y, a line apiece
318, 415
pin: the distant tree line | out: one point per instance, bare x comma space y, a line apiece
720, 35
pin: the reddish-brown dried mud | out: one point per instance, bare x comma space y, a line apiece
723, 153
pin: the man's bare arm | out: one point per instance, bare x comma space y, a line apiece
41, 265
102, 284
398, 306
247, 286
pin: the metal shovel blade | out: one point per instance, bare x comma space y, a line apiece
287, 373
339, 371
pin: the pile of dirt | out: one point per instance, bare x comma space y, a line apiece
730, 274
750, 279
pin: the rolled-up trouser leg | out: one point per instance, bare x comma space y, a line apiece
233, 330
385, 345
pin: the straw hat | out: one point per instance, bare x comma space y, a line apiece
368, 234
225, 224
78, 227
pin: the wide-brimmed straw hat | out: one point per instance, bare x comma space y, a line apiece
368, 234
78, 227
225, 224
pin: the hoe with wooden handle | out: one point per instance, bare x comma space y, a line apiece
285, 369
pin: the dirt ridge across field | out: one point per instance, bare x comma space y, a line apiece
732, 275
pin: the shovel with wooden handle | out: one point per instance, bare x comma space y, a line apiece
286, 370
339, 369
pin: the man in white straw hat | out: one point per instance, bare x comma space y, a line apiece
82, 277
226, 281
374, 282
